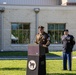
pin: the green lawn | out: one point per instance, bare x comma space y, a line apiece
59, 53
24, 53
18, 67
13, 53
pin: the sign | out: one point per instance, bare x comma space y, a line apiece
32, 65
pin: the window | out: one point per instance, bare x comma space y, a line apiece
20, 33
56, 31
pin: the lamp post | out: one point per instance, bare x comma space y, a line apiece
36, 10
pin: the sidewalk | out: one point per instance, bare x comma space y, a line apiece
25, 57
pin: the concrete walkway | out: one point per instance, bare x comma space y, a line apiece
25, 58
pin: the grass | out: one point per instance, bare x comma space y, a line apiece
54, 67
24, 53
59, 53
19, 67
13, 53
12, 67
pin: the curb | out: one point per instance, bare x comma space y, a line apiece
25, 58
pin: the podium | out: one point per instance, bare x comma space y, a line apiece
36, 63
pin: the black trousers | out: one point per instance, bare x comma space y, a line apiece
42, 66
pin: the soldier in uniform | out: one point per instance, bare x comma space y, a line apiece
68, 42
43, 39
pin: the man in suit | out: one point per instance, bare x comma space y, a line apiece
68, 42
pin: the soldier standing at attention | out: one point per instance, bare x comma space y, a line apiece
43, 39
68, 42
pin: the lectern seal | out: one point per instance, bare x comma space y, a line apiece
32, 65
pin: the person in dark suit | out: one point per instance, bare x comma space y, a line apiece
68, 42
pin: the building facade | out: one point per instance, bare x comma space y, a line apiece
19, 22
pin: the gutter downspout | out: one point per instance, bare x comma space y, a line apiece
36, 10
2, 9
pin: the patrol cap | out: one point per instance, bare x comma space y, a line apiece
40, 27
66, 30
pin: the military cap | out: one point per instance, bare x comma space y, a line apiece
41, 27
66, 30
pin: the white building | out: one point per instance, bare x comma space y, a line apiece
69, 2
19, 20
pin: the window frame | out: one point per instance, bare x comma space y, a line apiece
55, 30
19, 44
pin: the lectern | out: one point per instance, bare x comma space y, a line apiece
36, 63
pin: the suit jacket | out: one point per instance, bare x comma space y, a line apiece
68, 43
